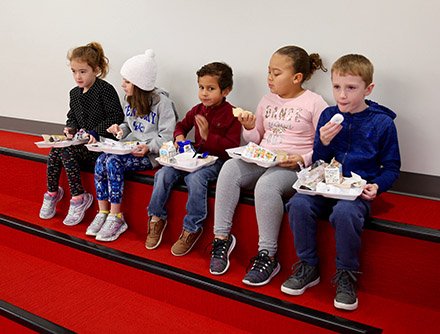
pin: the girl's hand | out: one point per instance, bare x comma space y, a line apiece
292, 161
69, 132
203, 126
115, 130
92, 140
140, 150
370, 191
247, 120
328, 132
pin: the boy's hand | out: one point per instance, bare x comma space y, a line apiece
247, 120
115, 130
291, 161
178, 138
370, 191
203, 125
140, 150
328, 132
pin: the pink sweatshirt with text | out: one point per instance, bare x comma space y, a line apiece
287, 124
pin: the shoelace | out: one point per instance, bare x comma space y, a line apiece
300, 269
219, 248
345, 279
260, 262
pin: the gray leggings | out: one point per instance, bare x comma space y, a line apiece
270, 184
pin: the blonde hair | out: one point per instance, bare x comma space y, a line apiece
93, 55
354, 64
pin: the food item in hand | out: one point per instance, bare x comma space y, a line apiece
254, 151
239, 111
337, 118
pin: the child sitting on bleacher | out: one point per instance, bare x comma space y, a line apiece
366, 144
94, 106
285, 120
216, 129
150, 118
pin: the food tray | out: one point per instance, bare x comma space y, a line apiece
346, 194
235, 153
118, 150
58, 144
209, 160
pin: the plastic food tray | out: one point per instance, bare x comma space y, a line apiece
209, 160
236, 153
347, 194
64, 143
119, 150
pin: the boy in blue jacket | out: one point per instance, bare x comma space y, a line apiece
364, 143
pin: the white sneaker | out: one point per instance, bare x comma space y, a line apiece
77, 211
49, 207
96, 224
112, 228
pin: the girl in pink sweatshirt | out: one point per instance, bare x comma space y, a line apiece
285, 120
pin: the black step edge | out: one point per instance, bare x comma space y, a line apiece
407, 230
271, 304
30, 320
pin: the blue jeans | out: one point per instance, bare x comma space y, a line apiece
346, 217
197, 183
109, 174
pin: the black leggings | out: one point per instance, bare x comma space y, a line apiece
71, 158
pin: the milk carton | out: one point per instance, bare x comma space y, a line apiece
333, 173
167, 151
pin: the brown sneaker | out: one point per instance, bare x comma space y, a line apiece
186, 242
155, 232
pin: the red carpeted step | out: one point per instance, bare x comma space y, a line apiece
89, 294
389, 206
387, 289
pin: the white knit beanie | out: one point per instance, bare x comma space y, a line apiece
141, 70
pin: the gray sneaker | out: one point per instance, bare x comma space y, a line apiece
303, 277
77, 211
49, 207
346, 296
96, 224
112, 228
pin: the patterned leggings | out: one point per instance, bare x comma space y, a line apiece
71, 158
109, 174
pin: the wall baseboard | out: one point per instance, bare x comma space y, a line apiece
408, 183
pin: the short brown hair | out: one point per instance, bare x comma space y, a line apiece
221, 70
354, 64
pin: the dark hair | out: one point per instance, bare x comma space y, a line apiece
93, 55
301, 61
141, 101
220, 70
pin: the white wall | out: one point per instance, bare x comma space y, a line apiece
401, 38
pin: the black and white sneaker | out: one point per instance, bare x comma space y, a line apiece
263, 269
221, 249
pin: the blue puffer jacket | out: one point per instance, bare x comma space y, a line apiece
367, 144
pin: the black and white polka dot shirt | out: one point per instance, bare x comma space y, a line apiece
96, 109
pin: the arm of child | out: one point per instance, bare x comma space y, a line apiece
370, 191
167, 117
112, 111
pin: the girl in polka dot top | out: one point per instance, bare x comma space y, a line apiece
94, 106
